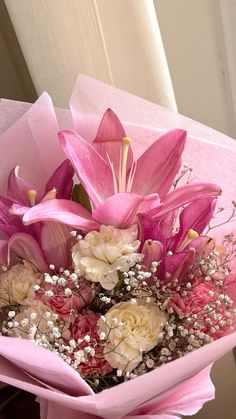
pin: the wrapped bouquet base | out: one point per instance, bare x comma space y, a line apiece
117, 263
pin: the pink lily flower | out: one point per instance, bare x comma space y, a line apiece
120, 188
177, 253
43, 243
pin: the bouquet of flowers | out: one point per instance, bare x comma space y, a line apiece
117, 262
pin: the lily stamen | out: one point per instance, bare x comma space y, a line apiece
131, 177
52, 194
115, 186
192, 234
32, 197
123, 169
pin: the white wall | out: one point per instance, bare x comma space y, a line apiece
200, 43
114, 41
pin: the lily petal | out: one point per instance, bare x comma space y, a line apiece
18, 187
202, 245
149, 229
18, 210
153, 252
110, 128
63, 211
6, 231
55, 242
93, 171
8, 221
195, 216
121, 210
159, 164
62, 181
27, 248
108, 141
167, 223
178, 264
185, 194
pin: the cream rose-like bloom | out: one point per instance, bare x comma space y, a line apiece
130, 328
35, 320
17, 284
30, 316
100, 255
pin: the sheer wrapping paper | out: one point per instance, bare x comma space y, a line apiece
28, 137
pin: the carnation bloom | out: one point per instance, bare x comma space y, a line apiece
17, 284
194, 302
131, 328
100, 255
85, 325
66, 306
210, 303
32, 319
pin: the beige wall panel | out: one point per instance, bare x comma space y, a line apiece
59, 39
135, 49
228, 19
115, 41
194, 40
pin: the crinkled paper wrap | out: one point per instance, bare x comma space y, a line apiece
28, 137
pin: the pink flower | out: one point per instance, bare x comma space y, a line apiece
43, 243
176, 252
85, 324
204, 301
65, 306
194, 302
113, 179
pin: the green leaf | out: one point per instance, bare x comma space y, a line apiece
80, 195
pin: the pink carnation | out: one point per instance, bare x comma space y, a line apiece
196, 299
85, 324
195, 302
67, 306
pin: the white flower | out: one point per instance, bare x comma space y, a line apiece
31, 317
100, 255
68, 292
49, 293
137, 331
17, 284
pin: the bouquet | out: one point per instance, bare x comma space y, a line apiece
118, 287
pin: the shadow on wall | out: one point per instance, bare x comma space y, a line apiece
15, 80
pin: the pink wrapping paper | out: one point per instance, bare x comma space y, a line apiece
29, 138
211, 153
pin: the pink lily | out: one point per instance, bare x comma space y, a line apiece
177, 253
118, 187
43, 243
107, 167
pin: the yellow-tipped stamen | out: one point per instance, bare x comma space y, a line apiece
125, 149
32, 197
192, 234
